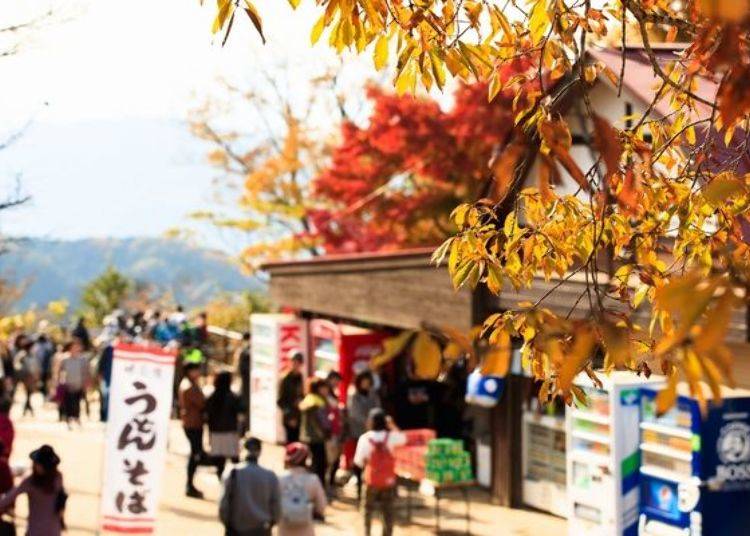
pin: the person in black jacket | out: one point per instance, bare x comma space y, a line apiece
223, 409
290, 394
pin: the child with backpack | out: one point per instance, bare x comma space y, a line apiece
374, 454
303, 499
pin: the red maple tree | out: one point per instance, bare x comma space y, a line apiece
392, 183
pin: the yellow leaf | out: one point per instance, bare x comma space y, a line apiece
690, 135
510, 224
713, 377
717, 324
539, 21
504, 24
494, 278
317, 30
453, 352
666, 398
494, 87
226, 7
438, 69
576, 359
380, 54
617, 343
407, 79
466, 271
392, 347
722, 187
294, 3
426, 356
497, 360
456, 336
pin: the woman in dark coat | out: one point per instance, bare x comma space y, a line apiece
223, 409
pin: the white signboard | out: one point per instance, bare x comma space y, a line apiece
275, 336
140, 401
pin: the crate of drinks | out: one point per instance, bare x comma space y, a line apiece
447, 462
419, 436
444, 447
410, 461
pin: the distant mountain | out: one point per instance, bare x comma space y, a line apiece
55, 269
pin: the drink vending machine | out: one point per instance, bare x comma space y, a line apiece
603, 456
695, 468
343, 348
275, 337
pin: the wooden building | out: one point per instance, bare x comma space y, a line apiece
403, 290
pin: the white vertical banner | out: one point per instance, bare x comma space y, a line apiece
140, 403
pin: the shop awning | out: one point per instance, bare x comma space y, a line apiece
397, 289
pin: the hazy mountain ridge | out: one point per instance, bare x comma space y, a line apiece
55, 269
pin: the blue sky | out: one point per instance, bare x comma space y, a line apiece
108, 86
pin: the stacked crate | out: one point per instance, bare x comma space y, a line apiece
447, 462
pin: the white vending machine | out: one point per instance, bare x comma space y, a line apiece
543, 457
274, 338
603, 456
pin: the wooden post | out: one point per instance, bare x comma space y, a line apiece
505, 421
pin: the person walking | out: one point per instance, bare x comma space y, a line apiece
290, 394
222, 412
29, 370
192, 413
250, 503
374, 455
81, 332
316, 426
104, 375
75, 377
303, 499
44, 351
242, 360
335, 439
361, 399
46, 494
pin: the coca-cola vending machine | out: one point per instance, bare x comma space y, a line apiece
344, 348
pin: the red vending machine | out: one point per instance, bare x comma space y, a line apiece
343, 348
347, 350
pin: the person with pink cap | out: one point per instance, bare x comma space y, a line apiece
303, 499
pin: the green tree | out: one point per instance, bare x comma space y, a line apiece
104, 293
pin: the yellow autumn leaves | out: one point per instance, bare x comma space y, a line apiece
431, 351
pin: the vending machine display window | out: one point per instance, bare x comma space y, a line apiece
660, 496
326, 357
544, 470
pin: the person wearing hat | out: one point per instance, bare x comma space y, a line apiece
290, 394
45, 492
303, 498
250, 500
192, 414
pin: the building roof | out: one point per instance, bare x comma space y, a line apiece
420, 254
641, 80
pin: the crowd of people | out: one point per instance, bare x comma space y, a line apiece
70, 368
254, 499
321, 431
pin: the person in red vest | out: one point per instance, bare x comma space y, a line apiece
374, 454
